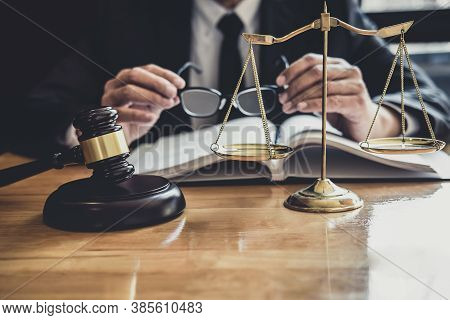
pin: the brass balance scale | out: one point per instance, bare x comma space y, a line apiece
323, 196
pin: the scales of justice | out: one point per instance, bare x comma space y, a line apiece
323, 196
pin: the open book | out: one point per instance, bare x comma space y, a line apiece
187, 156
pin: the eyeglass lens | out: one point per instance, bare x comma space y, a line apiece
200, 103
248, 101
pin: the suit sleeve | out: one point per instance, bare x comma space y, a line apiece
373, 57
73, 84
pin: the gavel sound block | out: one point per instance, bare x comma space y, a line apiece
112, 198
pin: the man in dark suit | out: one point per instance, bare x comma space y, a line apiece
128, 63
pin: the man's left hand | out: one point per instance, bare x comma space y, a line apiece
350, 107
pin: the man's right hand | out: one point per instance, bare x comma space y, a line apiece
140, 95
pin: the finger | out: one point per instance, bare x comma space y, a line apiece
155, 110
171, 76
135, 115
303, 64
314, 76
118, 81
143, 78
137, 95
113, 84
335, 104
339, 87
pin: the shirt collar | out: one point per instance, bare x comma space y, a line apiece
212, 12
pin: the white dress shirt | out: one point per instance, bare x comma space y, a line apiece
206, 41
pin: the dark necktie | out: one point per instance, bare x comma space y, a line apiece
230, 66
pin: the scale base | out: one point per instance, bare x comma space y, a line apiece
87, 205
323, 196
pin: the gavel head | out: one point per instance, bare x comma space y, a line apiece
103, 145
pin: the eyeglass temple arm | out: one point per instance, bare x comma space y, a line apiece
285, 61
334, 22
189, 65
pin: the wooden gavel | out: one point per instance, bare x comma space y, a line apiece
113, 197
102, 148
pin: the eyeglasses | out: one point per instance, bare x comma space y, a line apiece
201, 102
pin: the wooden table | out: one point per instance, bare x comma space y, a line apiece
233, 242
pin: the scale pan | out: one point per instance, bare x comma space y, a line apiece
251, 152
399, 146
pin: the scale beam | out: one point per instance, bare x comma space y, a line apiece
385, 32
263, 39
390, 31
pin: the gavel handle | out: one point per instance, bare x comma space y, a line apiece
26, 170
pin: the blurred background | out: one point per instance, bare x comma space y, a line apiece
28, 52
428, 40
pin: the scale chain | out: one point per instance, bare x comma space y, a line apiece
233, 98
403, 49
250, 56
383, 94
261, 103
402, 88
419, 95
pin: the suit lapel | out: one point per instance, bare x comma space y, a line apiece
268, 25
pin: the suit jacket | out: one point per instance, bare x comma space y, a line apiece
133, 33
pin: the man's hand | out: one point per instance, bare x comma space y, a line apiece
349, 104
140, 95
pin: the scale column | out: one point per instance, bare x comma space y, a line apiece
324, 27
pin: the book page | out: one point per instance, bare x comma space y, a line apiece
352, 162
299, 124
183, 153
246, 130
304, 131
341, 164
